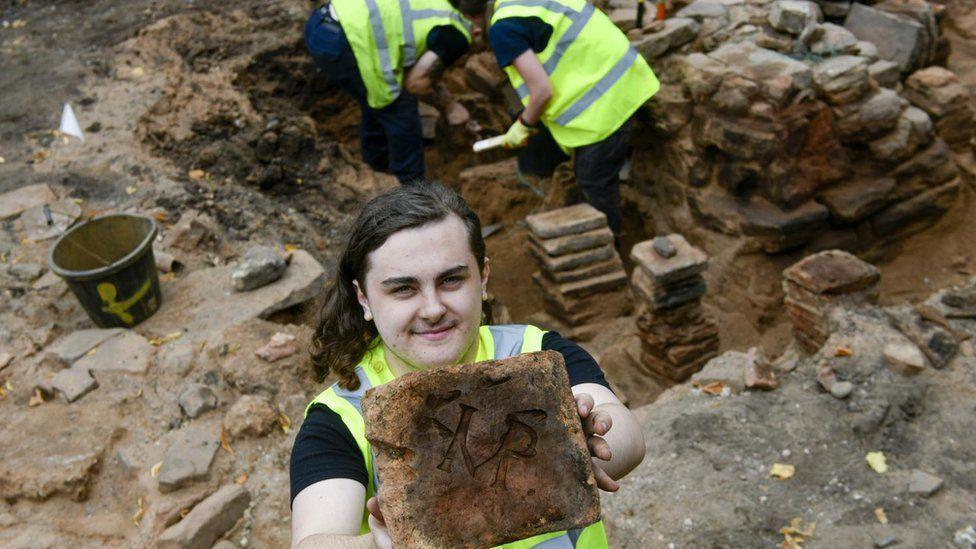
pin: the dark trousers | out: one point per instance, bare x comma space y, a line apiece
597, 168
391, 138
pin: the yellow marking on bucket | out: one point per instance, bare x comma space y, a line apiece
108, 292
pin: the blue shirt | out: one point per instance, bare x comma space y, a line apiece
512, 36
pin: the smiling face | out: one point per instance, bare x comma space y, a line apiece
423, 291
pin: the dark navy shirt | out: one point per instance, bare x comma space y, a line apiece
512, 36
448, 43
325, 448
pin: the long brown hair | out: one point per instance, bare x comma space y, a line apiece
343, 336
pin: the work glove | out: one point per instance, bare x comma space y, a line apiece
517, 135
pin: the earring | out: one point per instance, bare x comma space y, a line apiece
367, 316
484, 296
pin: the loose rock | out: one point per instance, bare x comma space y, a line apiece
188, 458
280, 346
261, 265
196, 399
842, 389
208, 520
923, 484
904, 357
250, 416
74, 383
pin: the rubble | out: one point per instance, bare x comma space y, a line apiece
204, 301
188, 457
938, 92
15, 202
208, 520
34, 468
281, 345
259, 266
532, 392
818, 283
196, 398
123, 352
677, 338
761, 126
580, 272
74, 383
904, 357
62, 213
250, 416
923, 484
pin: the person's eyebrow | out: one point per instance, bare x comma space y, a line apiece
399, 281
459, 270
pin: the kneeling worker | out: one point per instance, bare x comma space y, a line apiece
577, 74
386, 53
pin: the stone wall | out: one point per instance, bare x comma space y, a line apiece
778, 126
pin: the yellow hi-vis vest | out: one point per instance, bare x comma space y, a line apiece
388, 35
496, 342
598, 79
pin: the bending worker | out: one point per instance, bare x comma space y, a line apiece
577, 74
409, 294
386, 53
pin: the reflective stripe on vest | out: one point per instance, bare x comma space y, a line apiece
506, 340
598, 79
393, 33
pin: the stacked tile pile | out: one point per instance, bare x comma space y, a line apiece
580, 273
817, 283
677, 338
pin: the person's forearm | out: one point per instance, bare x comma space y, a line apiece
334, 541
537, 105
626, 441
438, 97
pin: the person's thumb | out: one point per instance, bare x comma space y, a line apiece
373, 506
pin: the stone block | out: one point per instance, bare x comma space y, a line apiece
52, 450
625, 18
658, 297
204, 301
832, 272
793, 16
576, 219
17, 201
74, 345
740, 138
835, 9
781, 76
924, 207
579, 311
885, 73
677, 31
260, 266
698, 73
208, 520
125, 352
704, 9
779, 230
585, 272
562, 245
462, 452
481, 72
688, 261
842, 79
876, 114
571, 261
187, 459
835, 40
856, 199
74, 383
898, 38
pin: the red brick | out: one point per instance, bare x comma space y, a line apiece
481, 455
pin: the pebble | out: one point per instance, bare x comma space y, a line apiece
664, 247
27, 272
196, 399
842, 389
886, 541
923, 484
260, 266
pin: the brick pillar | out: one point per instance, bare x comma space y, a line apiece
677, 337
580, 272
816, 283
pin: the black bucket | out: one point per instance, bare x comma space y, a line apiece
108, 263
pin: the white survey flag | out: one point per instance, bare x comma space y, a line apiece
69, 124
